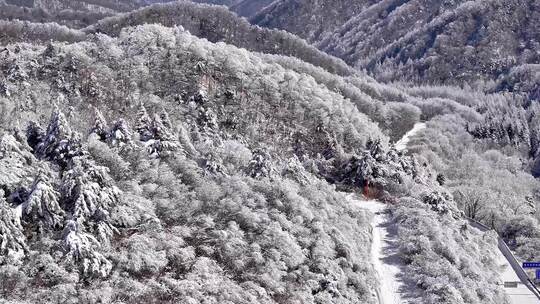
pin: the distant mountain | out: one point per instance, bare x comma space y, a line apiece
249, 8
432, 42
311, 20
216, 24
245, 8
73, 13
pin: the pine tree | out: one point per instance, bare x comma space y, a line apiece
156, 134
376, 150
207, 119
57, 131
163, 142
89, 187
83, 248
442, 202
295, 170
143, 126
164, 116
100, 126
325, 142
12, 240
34, 134
201, 97
89, 195
42, 203
4, 89
120, 134
260, 164
441, 179
213, 165
59, 143
160, 130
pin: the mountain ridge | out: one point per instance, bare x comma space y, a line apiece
176, 153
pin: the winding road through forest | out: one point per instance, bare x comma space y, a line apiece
384, 251
390, 268
385, 257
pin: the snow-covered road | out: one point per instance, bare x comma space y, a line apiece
402, 143
390, 268
384, 254
520, 294
384, 251
509, 267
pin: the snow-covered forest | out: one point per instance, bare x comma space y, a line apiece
177, 153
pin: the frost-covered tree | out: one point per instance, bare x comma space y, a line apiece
120, 134
442, 202
201, 97
89, 194
157, 135
117, 135
165, 119
34, 134
207, 119
325, 142
83, 249
213, 165
163, 142
261, 164
358, 171
441, 179
59, 143
4, 89
144, 124
381, 169
376, 149
42, 203
58, 131
100, 126
12, 239
295, 170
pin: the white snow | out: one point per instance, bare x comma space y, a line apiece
384, 256
402, 143
18, 213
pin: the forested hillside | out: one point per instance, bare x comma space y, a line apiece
440, 42
203, 194
216, 24
485, 43
197, 176
311, 22
175, 153
245, 8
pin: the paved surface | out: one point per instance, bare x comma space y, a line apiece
521, 294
